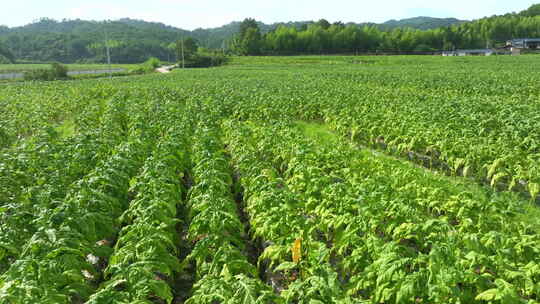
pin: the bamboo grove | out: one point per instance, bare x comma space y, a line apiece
275, 180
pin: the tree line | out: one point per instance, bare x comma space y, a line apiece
325, 38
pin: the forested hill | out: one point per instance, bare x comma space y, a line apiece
132, 40
79, 40
135, 40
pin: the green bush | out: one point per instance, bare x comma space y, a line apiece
147, 67
55, 72
59, 70
204, 60
152, 62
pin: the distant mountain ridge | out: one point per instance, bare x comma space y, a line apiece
219, 34
211, 37
423, 23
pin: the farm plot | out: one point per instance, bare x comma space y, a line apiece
304, 180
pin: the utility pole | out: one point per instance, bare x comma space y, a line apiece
108, 49
183, 59
176, 59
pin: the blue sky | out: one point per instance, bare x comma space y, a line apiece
190, 14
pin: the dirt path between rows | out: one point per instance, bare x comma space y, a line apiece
165, 69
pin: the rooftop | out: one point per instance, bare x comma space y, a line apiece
471, 51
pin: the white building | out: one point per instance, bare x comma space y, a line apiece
525, 43
516, 45
479, 52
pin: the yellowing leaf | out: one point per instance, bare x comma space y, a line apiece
497, 177
534, 189
488, 295
225, 273
285, 266
297, 250
467, 171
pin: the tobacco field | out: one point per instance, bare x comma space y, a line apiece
302, 180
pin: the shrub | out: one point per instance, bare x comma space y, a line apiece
59, 71
55, 72
204, 60
152, 62
146, 67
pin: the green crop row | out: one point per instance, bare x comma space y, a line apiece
392, 234
224, 273
213, 185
